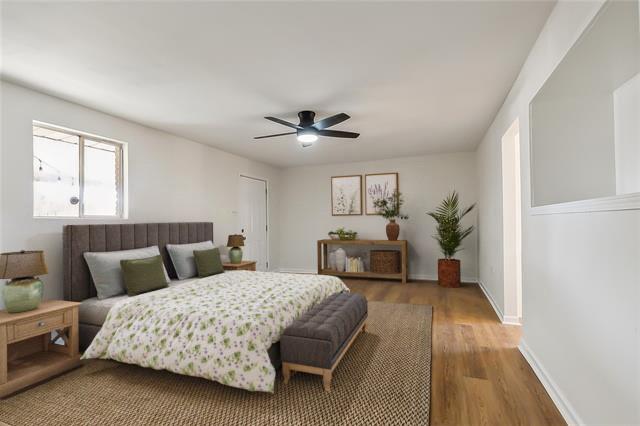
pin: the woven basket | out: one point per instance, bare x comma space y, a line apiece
385, 261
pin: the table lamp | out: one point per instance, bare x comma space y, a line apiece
24, 291
235, 242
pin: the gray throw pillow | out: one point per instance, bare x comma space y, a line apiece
106, 272
183, 260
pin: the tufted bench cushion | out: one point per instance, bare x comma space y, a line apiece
319, 337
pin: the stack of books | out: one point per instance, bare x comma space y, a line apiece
354, 264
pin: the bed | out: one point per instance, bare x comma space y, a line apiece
224, 328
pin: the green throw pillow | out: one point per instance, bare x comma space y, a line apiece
208, 262
143, 275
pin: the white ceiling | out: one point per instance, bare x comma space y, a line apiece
416, 77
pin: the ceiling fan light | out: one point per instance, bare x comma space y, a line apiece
306, 138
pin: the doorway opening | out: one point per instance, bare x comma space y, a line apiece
512, 224
254, 220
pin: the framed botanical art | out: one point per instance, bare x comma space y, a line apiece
346, 195
379, 185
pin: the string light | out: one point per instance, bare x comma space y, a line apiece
41, 168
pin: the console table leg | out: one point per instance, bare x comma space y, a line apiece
3, 354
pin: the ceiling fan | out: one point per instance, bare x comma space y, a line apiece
307, 131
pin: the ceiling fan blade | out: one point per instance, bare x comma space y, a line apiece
284, 123
331, 121
338, 134
273, 136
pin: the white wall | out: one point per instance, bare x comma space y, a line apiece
2, 250
626, 113
581, 287
424, 182
170, 178
573, 133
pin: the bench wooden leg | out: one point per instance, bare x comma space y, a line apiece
286, 372
364, 327
326, 380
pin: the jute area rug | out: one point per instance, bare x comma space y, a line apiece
384, 379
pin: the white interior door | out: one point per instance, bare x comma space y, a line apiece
252, 209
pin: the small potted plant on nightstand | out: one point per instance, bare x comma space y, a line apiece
450, 234
389, 208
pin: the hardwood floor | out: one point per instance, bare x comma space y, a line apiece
478, 375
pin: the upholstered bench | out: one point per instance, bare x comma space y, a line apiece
316, 342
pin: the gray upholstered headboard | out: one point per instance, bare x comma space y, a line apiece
78, 239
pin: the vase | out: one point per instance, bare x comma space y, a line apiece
22, 295
331, 261
235, 255
393, 230
341, 259
449, 273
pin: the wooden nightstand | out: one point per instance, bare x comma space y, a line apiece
245, 265
29, 353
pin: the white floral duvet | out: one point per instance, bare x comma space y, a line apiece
219, 327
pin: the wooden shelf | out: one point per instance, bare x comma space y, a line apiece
397, 243
366, 274
402, 245
37, 366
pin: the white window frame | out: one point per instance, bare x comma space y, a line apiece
121, 172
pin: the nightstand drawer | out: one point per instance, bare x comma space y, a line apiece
246, 265
40, 325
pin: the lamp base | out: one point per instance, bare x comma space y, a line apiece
22, 295
235, 255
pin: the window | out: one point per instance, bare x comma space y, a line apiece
76, 175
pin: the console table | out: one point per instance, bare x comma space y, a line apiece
323, 246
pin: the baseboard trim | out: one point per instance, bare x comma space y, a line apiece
559, 399
511, 320
418, 277
297, 271
428, 277
492, 302
504, 319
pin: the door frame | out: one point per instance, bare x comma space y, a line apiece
511, 177
266, 195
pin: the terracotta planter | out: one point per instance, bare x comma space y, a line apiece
393, 230
449, 272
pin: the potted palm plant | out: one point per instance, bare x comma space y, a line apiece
450, 234
389, 208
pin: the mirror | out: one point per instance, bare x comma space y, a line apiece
585, 120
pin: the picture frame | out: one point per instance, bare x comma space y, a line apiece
346, 195
379, 185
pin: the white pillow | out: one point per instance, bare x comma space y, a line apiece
106, 272
183, 259
224, 253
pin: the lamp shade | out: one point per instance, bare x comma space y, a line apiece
22, 264
236, 240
